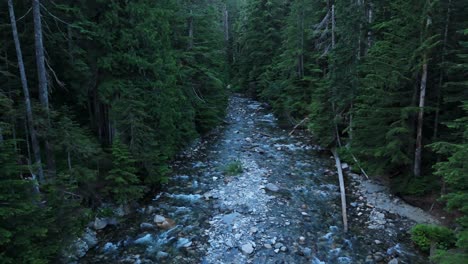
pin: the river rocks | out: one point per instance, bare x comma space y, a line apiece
272, 187
101, 223
144, 240
344, 166
307, 251
247, 248
146, 226
80, 246
163, 222
109, 247
183, 242
159, 219
393, 261
162, 255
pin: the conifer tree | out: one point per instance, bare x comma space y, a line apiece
123, 183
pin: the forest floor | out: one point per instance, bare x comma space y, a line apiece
250, 193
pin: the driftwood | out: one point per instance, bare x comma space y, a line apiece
296, 126
342, 190
264, 134
357, 162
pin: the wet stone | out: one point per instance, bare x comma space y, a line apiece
247, 248
272, 187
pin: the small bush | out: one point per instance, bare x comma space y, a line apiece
424, 235
233, 168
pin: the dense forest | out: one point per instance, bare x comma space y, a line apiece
98, 97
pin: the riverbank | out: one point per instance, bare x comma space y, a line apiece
282, 207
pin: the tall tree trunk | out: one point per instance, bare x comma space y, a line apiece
337, 134
42, 79
226, 23
190, 30
301, 55
40, 59
27, 99
369, 21
422, 97
441, 75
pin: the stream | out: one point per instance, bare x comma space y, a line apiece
284, 207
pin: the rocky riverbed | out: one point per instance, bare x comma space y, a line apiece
282, 207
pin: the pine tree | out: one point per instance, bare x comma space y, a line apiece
123, 183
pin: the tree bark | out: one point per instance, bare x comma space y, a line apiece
42, 79
333, 89
342, 190
226, 23
369, 21
441, 76
40, 59
422, 97
27, 99
190, 30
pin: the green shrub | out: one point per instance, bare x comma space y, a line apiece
233, 168
424, 235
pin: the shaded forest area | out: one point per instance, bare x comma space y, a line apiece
109, 91
97, 97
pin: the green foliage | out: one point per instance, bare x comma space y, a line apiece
233, 168
123, 183
424, 236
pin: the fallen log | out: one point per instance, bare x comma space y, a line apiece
342, 190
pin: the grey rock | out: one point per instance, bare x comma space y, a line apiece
307, 251
162, 255
146, 226
183, 242
272, 187
393, 261
109, 247
283, 248
100, 223
90, 238
268, 246
159, 219
229, 218
150, 209
278, 245
247, 248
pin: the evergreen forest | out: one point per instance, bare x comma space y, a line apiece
97, 98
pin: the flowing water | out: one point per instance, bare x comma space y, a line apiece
284, 207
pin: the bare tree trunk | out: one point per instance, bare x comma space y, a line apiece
301, 55
27, 100
40, 59
226, 23
369, 20
342, 190
70, 43
334, 91
333, 26
441, 76
190, 30
69, 161
422, 96
42, 78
